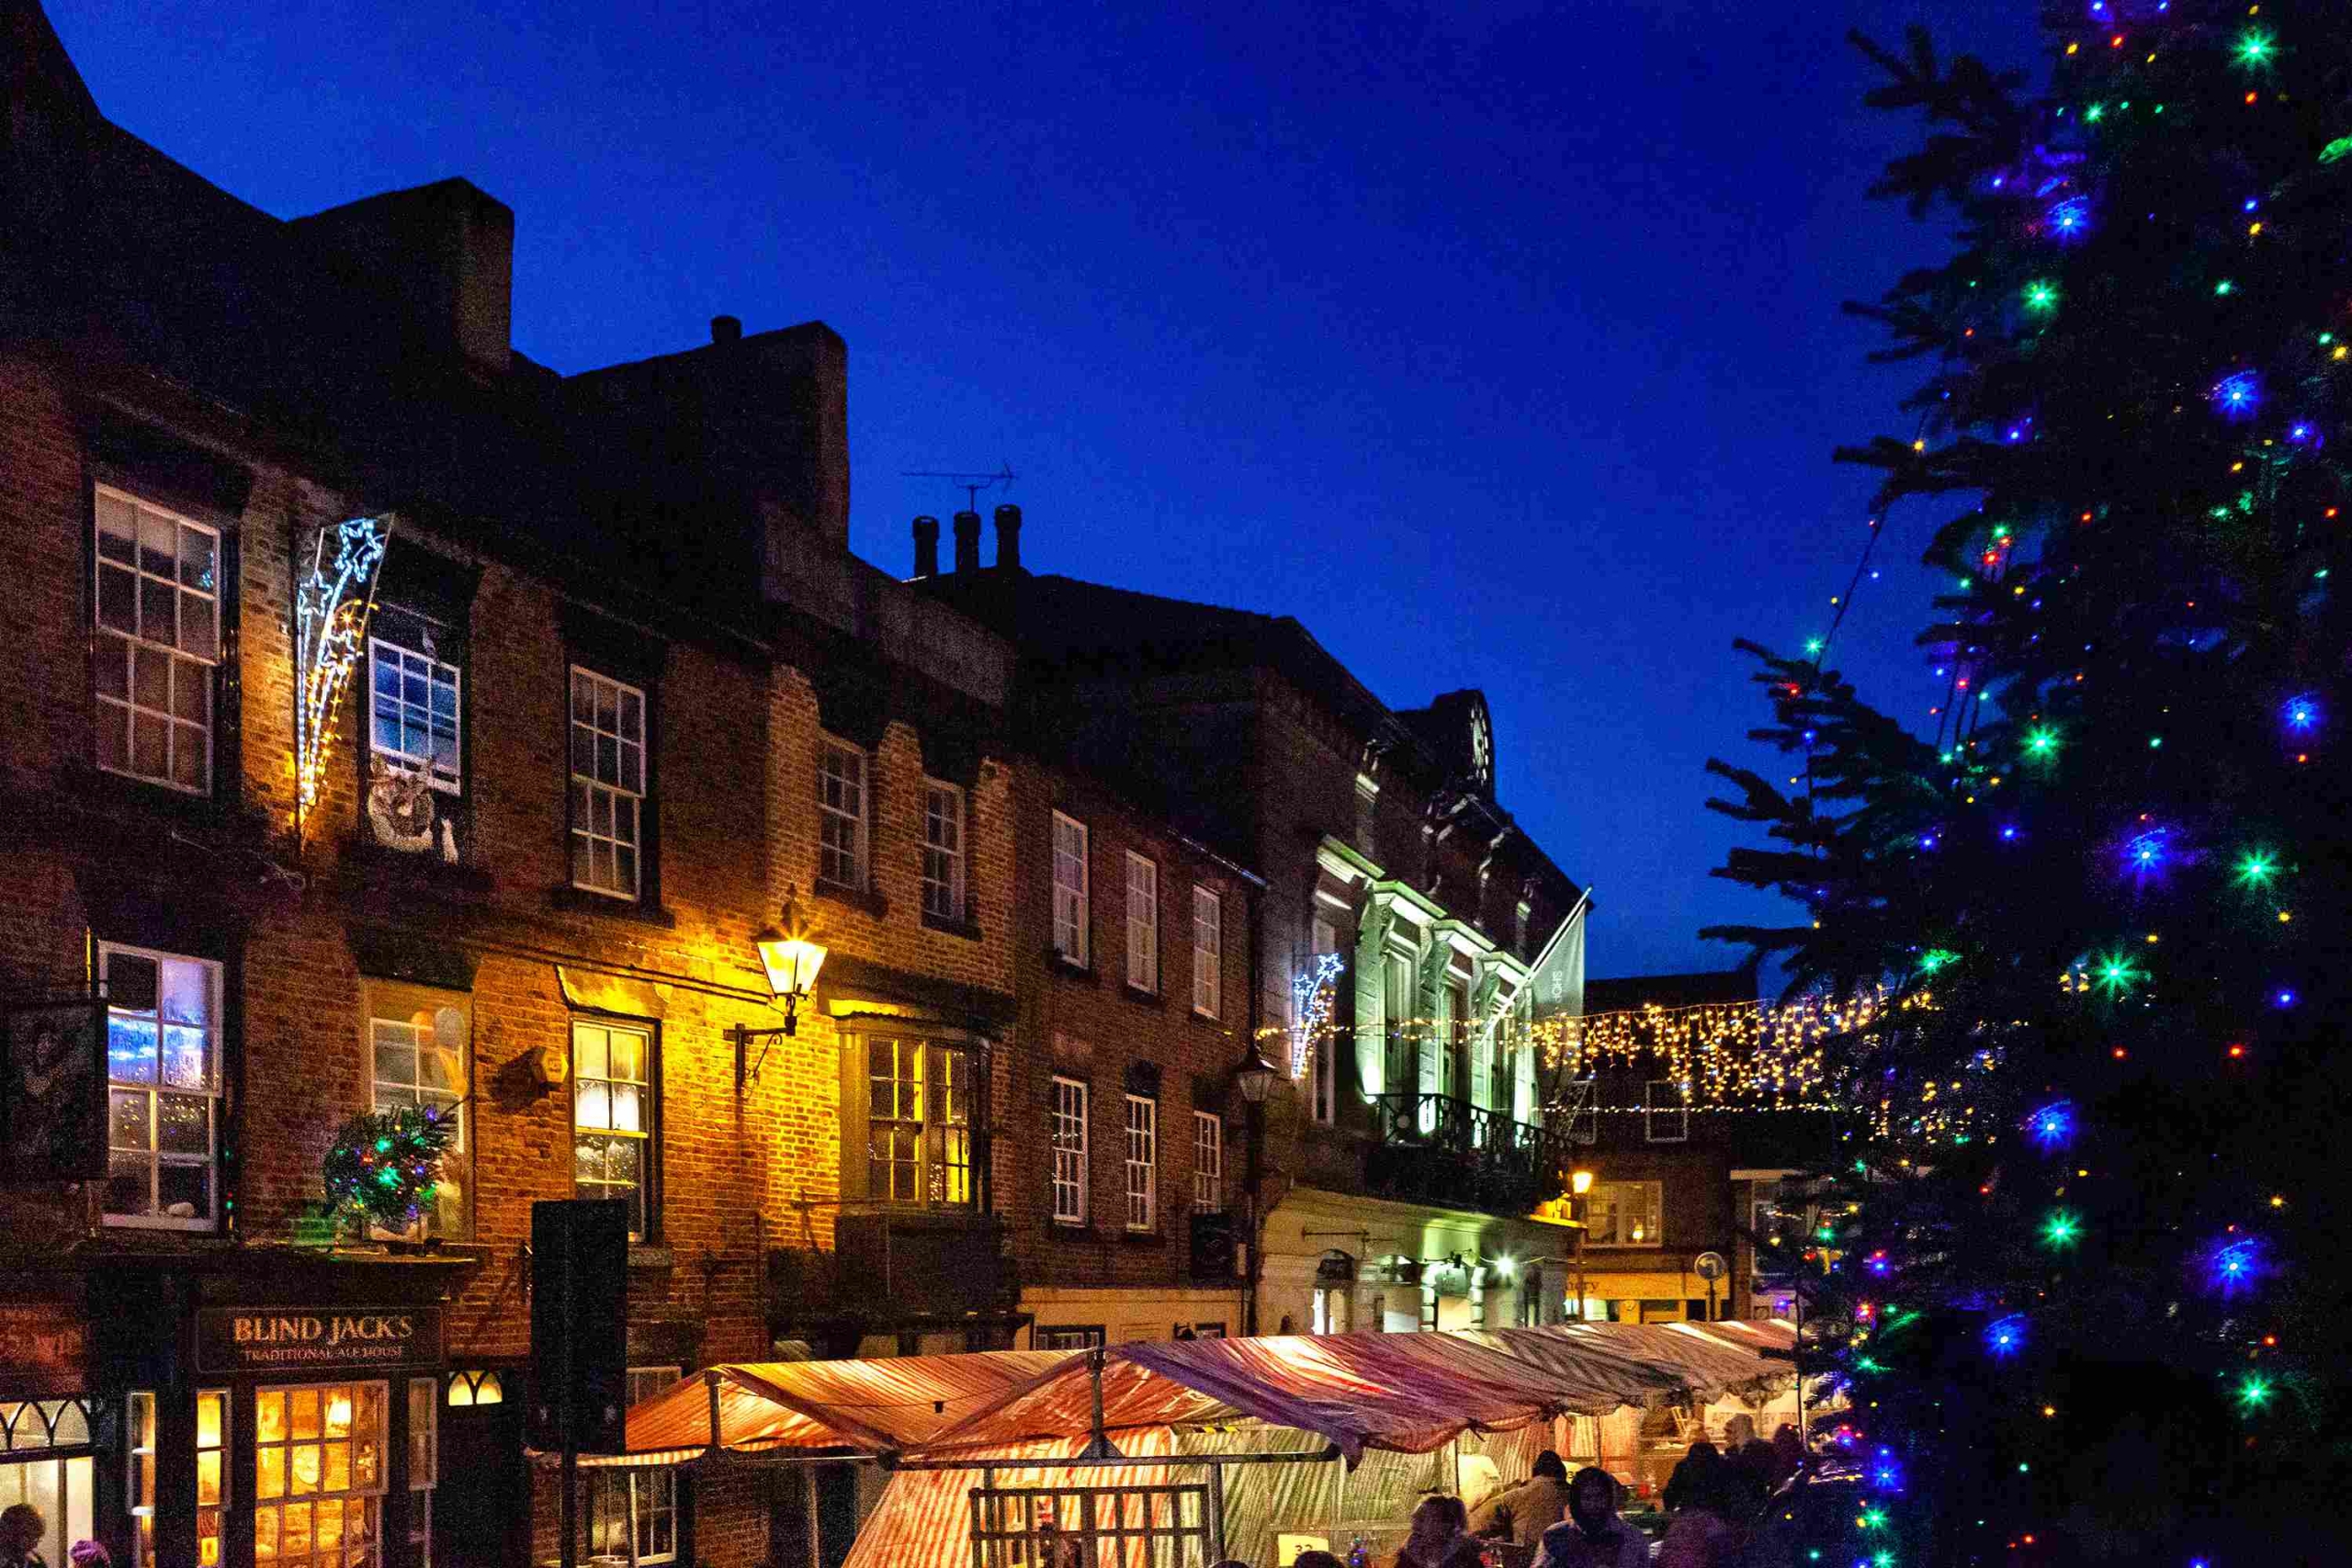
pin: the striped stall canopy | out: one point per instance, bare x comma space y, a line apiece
865, 1406
925, 1518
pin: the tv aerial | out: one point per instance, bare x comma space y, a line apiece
971, 483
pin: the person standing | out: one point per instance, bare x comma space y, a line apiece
1522, 1513
1439, 1538
1593, 1535
21, 1528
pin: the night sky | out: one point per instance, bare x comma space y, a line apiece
1499, 345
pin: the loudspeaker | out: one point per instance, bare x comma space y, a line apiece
579, 1324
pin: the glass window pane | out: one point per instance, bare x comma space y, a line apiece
302, 1412
127, 1124
593, 1104
158, 612
184, 1124
159, 547
151, 680
118, 600
131, 1049
117, 528
186, 1057
185, 1191
589, 1056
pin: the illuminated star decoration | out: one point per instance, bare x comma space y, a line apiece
1310, 1008
2236, 396
2004, 1337
2234, 1266
2302, 715
2071, 218
2053, 1126
331, 608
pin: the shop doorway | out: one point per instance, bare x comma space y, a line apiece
481, 1509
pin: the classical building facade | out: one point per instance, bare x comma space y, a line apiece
395, 724
1412, 936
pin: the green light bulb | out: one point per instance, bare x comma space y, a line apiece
2254, 47
2040, 296
2225, 287
2257, 868
2059, 1229
2253, 1394
1812, 644
2041, 742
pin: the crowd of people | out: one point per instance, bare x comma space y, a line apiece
1712, 1501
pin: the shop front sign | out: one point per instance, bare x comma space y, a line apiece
44, 1347
326, 1339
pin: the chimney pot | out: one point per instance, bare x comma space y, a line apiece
926, 547
1008, 538
726, 328
967, 541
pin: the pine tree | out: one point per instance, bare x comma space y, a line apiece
2074, 1284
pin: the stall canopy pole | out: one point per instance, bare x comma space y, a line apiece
1099, 1445
710, 1380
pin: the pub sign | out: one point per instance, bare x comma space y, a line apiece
321, 1339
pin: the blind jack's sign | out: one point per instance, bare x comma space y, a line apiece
297, 1339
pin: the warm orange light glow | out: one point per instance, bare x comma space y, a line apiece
1580, 1182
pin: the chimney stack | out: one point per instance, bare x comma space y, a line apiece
967, 541
445, 251
726, 328
1008, 538
926, 547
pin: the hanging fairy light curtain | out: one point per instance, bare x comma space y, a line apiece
332, 604
1718, 1051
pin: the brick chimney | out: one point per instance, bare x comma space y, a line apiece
726, 328
445, 251
926, 547
1008, 538
967, 541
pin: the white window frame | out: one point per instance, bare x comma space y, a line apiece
139, 642
942, 850
656, 1490
407, 663
424, 1396
291, 1447
1610, 1195
844, 807
642, 1135
390, 1094
1073, 902
1143, 1163
156, 1159
1666, 1111
1324, 1086
1208, 1163
1208, 952
1143, 922
1069, 1136
620, 798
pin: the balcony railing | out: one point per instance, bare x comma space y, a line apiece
1438, 1148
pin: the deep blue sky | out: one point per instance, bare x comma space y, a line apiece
1499, 344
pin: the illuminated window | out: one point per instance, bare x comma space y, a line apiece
612, 1116
1073, 912
1067, 1339
918, 1123
40, 1466
413, 698
319, 1464
841, 826
942, 850
1623, 1213
1070, 1152
607, 784
1208, 952
1143, 923
469, 1389
159, 638
1208, 1163
424, 1465
420, 1060
164, 1069
1143, 1162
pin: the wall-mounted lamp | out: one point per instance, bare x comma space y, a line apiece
791, 960
1255, 1077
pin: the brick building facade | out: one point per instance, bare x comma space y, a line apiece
615, 692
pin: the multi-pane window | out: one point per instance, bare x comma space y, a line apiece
164, 1069
841, 808
49, 1467
1209, 1162
1067, 1339
1070, 1152
1623, 1213
1397, 997
942, 850
918, 1126
318, 1475
1208, 952
419, 1061
414, 699
612, 1116
607, 784
424, 1465
1143, 923
1143, 1162
1073, 912
1325, 1084
614, 1497
1666, 1111
212, 1475
159, 638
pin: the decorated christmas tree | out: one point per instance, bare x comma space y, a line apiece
2075, 1283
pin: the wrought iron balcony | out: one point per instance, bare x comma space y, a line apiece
1436, 1148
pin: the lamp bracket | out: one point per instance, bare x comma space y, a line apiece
747, 1071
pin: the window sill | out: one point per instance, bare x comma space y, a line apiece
644, 1255
579, 901
370, 863
969, 929
1062, 1230
1063, 966
1142, 1239
1142, 998
1200, 1017
867, 900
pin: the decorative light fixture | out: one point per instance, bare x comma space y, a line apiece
1255, 1077
792, 961
1580, 1182
332, 604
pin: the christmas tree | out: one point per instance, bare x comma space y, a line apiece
2073, 1283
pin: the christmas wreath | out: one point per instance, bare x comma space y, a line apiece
383, 1166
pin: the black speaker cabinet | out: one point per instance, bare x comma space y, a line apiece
579, 1324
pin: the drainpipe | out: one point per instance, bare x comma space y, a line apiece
1254, 1117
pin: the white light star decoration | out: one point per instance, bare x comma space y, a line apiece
331, 609
1310, 1007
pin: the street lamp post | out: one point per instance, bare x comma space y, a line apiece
1255, 1079
1580, 1183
